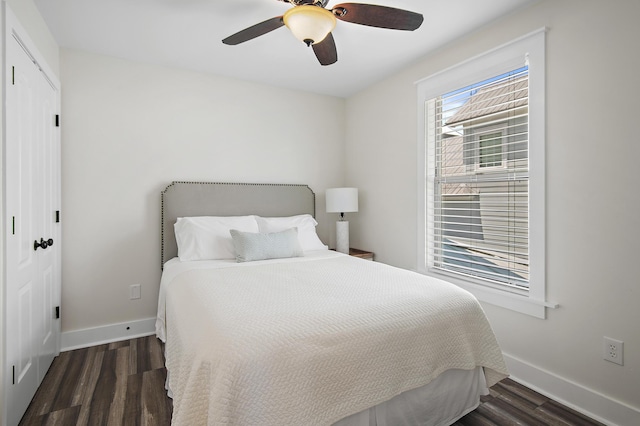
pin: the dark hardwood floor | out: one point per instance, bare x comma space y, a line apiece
119, 383
122, 383
511, 403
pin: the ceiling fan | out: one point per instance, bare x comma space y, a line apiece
311, 22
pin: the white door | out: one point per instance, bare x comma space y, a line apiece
47, 188
32, 202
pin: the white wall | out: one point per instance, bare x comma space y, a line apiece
130, 129
592, 197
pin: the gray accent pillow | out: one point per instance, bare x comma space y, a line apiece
252, 246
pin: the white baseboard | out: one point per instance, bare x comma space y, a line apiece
77, 339
586, 401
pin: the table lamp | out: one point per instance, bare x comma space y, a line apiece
342, 200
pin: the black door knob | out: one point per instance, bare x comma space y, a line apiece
42, 244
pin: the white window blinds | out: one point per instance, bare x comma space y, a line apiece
478, 181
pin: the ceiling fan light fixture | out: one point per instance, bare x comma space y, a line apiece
309, 24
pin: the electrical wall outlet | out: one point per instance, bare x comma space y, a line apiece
613, 350
134, 291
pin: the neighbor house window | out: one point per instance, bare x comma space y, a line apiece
490, 146
481, 188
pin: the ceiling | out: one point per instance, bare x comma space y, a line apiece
187, 34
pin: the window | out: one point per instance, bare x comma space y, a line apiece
480, 213
490, 154
481, 188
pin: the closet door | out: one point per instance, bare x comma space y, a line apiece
47, 188
32, 199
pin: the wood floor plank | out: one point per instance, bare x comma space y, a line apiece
32, 420
494, 414
566, 414
65, 417
553, 420
516, 388
517, 401
143, 360
133, 356
104, 390
156, 353
83, 379
117, 345
474, 419
133, 403
88, 387
156, 406
65, 393
116, 411
45, 395
515, 413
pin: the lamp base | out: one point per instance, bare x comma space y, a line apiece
342, 236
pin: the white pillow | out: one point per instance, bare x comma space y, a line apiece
305, 223
208, 238
252, 246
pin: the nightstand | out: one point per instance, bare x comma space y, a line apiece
367, 255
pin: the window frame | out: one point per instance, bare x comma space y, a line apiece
529, 49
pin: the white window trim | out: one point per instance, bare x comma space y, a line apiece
481, 67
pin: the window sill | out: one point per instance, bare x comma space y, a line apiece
523, 304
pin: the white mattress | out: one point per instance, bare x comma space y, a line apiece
313, 340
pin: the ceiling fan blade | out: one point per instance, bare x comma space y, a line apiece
254, 31
326, 50
378, 16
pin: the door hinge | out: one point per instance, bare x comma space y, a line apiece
57, 312
13, 379
13, 225
57, 216
13, 75
57, 120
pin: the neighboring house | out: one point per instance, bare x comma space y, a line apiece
484, 155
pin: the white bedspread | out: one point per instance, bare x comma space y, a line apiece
308, 341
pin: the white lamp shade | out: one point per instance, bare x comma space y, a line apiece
342, 200
309, 24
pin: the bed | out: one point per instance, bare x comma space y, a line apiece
306, 336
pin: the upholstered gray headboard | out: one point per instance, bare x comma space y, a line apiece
184, 199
